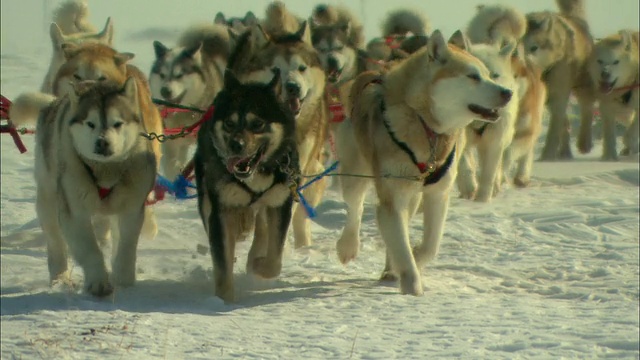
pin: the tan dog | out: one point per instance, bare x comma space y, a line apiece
614, 67
496, 24
408, 123
560, 45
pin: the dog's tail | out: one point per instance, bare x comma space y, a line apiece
496, 24
215, 40
573, 8
365, 95
330, 15
403, 21
72, 17
26, 107
279, 20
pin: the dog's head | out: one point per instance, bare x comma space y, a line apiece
545, 39
250, 124
455, 86
90, 61
301, 73
614, 61
177, 74
107, 121
332, 43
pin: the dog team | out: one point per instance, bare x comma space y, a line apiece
411, 112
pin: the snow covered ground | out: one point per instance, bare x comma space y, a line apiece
546, 272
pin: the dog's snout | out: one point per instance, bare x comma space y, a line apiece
605, 74
293, 89
505, 95
332, 63
102, 147
165, 92
236, 145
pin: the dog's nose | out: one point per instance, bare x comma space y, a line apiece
236, 145
165, 92
605, 74
293, 89
102, 147
332, 63
505, 95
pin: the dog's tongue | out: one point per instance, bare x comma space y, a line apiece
238, 163
294, 104
606, 87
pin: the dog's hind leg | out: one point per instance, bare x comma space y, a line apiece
353, 192
392, 214
279, 219
57, 257
78, 230
102, 229
124, 263
556, 146
585, 136
174, 157
630, 139
609, 152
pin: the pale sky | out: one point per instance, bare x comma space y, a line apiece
23, 24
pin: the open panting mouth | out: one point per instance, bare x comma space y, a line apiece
244, 167
607, 86
334, 75
485, 113
295, 104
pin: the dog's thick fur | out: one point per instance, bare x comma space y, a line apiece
189, 74
418, 110
249, 123
560, 44
404, 32
496, 24
489, 139
279, 21
86, 143
303, 81
614, 67
532, 94
73, 17
236, 24
58, 38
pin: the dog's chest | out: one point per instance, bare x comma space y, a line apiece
262, 191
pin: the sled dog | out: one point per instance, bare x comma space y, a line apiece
496, 24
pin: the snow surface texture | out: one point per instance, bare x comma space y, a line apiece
546, 272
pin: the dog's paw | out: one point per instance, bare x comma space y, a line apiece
483, 197
124, 279
388, 276
410, 284
521, 182
264, 268
468, 195
610, 157
100, 288
347, 249
585, 145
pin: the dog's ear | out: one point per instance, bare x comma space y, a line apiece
57, 37
626, 39
275, 84
233, 34
304, 33
507, 50
193, 51
346, 28
220, 19
106, 35
130, 90
231, 82
159, 49
250, 19
458, 39
437, 48
69, 50
80, 88
259, 37
122, 58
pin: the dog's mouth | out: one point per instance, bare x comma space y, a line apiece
244, 167
177, 99
295, 104
486, 114
334, 75
607, 86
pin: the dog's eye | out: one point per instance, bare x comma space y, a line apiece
77, 77
302, 68
258, 125
474, 77
161, 76
339, 48
102, 78
228, 124
533, 49
495, 76
616, 62
91, 125
118, 125
177, 76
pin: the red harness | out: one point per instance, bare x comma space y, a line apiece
335, 106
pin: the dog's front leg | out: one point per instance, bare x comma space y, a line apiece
585, 137
436, 205
555, 147
77, 229
490, 155
392, 214
260, 239
222, 244
124, 262
278, 219
466, 180
57, 257
608, 112
631, 137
